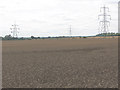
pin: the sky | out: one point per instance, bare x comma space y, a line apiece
54, 17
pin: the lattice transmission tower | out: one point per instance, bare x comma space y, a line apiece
104, 20
15, 30
70, 32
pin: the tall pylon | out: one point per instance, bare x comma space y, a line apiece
105, 22
15, 30
70, 32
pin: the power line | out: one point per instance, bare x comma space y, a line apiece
104, 23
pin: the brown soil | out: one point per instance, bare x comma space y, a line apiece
60, 63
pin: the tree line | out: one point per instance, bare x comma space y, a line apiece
108, 34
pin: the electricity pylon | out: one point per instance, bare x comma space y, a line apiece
104, 23
15, 30
70, 31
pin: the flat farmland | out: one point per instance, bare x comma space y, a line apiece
60, 63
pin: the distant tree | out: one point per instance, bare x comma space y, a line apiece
22, 38
38, 37
49, 37
109, 34
8, 37
1, 37
32, 37
84, 37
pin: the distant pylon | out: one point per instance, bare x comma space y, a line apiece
104, 23
70, 30
15, 30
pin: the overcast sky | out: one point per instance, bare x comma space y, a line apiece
54, 17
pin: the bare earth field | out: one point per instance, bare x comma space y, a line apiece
60, 63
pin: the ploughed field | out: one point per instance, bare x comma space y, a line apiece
60, 63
